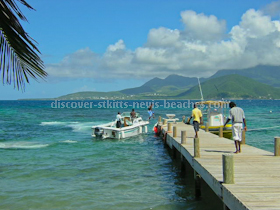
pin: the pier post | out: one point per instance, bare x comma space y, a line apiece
183, 137
197, 182
207, 127
164, 121
196, 148
228, 169
159, 119
169, 125
221, 131
174, 131
174, 152
243, 137
183, 166
225, 207
277, 146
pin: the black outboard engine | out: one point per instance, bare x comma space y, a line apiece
98, 132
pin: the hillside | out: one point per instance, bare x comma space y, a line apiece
231, 86
174, 84
266, 74
246, 83
89, 95
171, 85
173, 80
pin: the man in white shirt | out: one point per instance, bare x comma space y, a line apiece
119, 122
236, 114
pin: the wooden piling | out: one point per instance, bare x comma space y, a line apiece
164, 121
221, 131
159, 119
228, 169
174, 131
207, 127
196, 148
183, 166
183, 137
277, 146
225, 207
169, 127
197, 182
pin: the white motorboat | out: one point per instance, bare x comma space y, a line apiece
129, 127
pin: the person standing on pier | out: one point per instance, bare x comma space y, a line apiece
236, 114
197, 119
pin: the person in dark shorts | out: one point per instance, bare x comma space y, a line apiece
197, 119
119, 117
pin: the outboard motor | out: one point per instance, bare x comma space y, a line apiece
98, 132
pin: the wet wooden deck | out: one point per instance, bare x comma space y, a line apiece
256, 171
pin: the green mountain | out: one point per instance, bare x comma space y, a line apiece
231, 86
175, 84
173, 80
266, 74
171, 85
254, 82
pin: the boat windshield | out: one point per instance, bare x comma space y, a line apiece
127, 114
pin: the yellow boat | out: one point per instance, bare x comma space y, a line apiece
215, 117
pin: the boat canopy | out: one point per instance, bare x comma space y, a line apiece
212, 102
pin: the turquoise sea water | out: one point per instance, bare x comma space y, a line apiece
48, 159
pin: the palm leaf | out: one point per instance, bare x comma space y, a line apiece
19, 58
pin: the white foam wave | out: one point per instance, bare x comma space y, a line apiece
22, 145
69, 141
80, 127
52, 123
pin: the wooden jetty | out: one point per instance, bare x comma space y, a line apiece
247, 180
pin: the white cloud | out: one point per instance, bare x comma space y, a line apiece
76, 65
200, 49
202, 27
163, 37
272, 9
256, 24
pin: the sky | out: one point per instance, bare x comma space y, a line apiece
110, 45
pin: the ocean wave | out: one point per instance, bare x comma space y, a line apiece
80, 127
22, 145
68, 141
75, 126
52, 123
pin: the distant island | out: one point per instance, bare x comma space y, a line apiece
260, 82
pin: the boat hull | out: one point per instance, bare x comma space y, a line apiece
120, 133
227, 131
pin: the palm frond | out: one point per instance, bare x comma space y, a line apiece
19, 58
